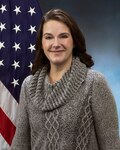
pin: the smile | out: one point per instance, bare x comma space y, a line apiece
56, 51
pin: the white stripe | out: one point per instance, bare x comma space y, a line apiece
8, 104
3, 144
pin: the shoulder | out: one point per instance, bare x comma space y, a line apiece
100, 84
30, 82
97, 76
95, 73
99, 81
27, 80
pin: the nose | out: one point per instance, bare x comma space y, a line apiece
56, 43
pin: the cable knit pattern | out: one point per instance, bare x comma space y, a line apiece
52, 126
76, 113
84, 130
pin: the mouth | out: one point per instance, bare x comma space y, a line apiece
56, 51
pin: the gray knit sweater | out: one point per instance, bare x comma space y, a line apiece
76, 113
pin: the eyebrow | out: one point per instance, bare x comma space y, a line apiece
63, 33
47, 34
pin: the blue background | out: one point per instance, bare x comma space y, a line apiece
100, 23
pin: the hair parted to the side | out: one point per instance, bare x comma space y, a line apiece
79, 41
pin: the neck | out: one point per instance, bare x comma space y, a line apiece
56, 72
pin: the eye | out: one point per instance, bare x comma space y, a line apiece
48, 37
64, 36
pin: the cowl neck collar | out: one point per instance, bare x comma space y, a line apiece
63, 91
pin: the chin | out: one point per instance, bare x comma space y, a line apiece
57, 62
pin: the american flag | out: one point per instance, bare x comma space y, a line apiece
19, 21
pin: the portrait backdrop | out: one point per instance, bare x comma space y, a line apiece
98, 20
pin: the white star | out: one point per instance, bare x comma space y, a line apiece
2, 45
15, 64
1, 63
15, 82
2, 26
16, 46
3, 8
30, 66
32, 11
16, 28
32, 48
17, 10
32, 29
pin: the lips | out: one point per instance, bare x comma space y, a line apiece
56, 50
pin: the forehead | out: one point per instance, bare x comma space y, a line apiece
53, 25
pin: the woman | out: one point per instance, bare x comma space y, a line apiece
65, 105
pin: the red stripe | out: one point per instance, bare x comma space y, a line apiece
7, 128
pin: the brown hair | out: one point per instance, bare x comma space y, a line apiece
78, 39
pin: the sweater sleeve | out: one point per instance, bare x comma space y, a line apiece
105, 114
21, 140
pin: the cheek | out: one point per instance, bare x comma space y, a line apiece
70, 44
45, 47
44, 44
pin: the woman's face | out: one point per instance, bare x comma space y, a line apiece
57, 43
